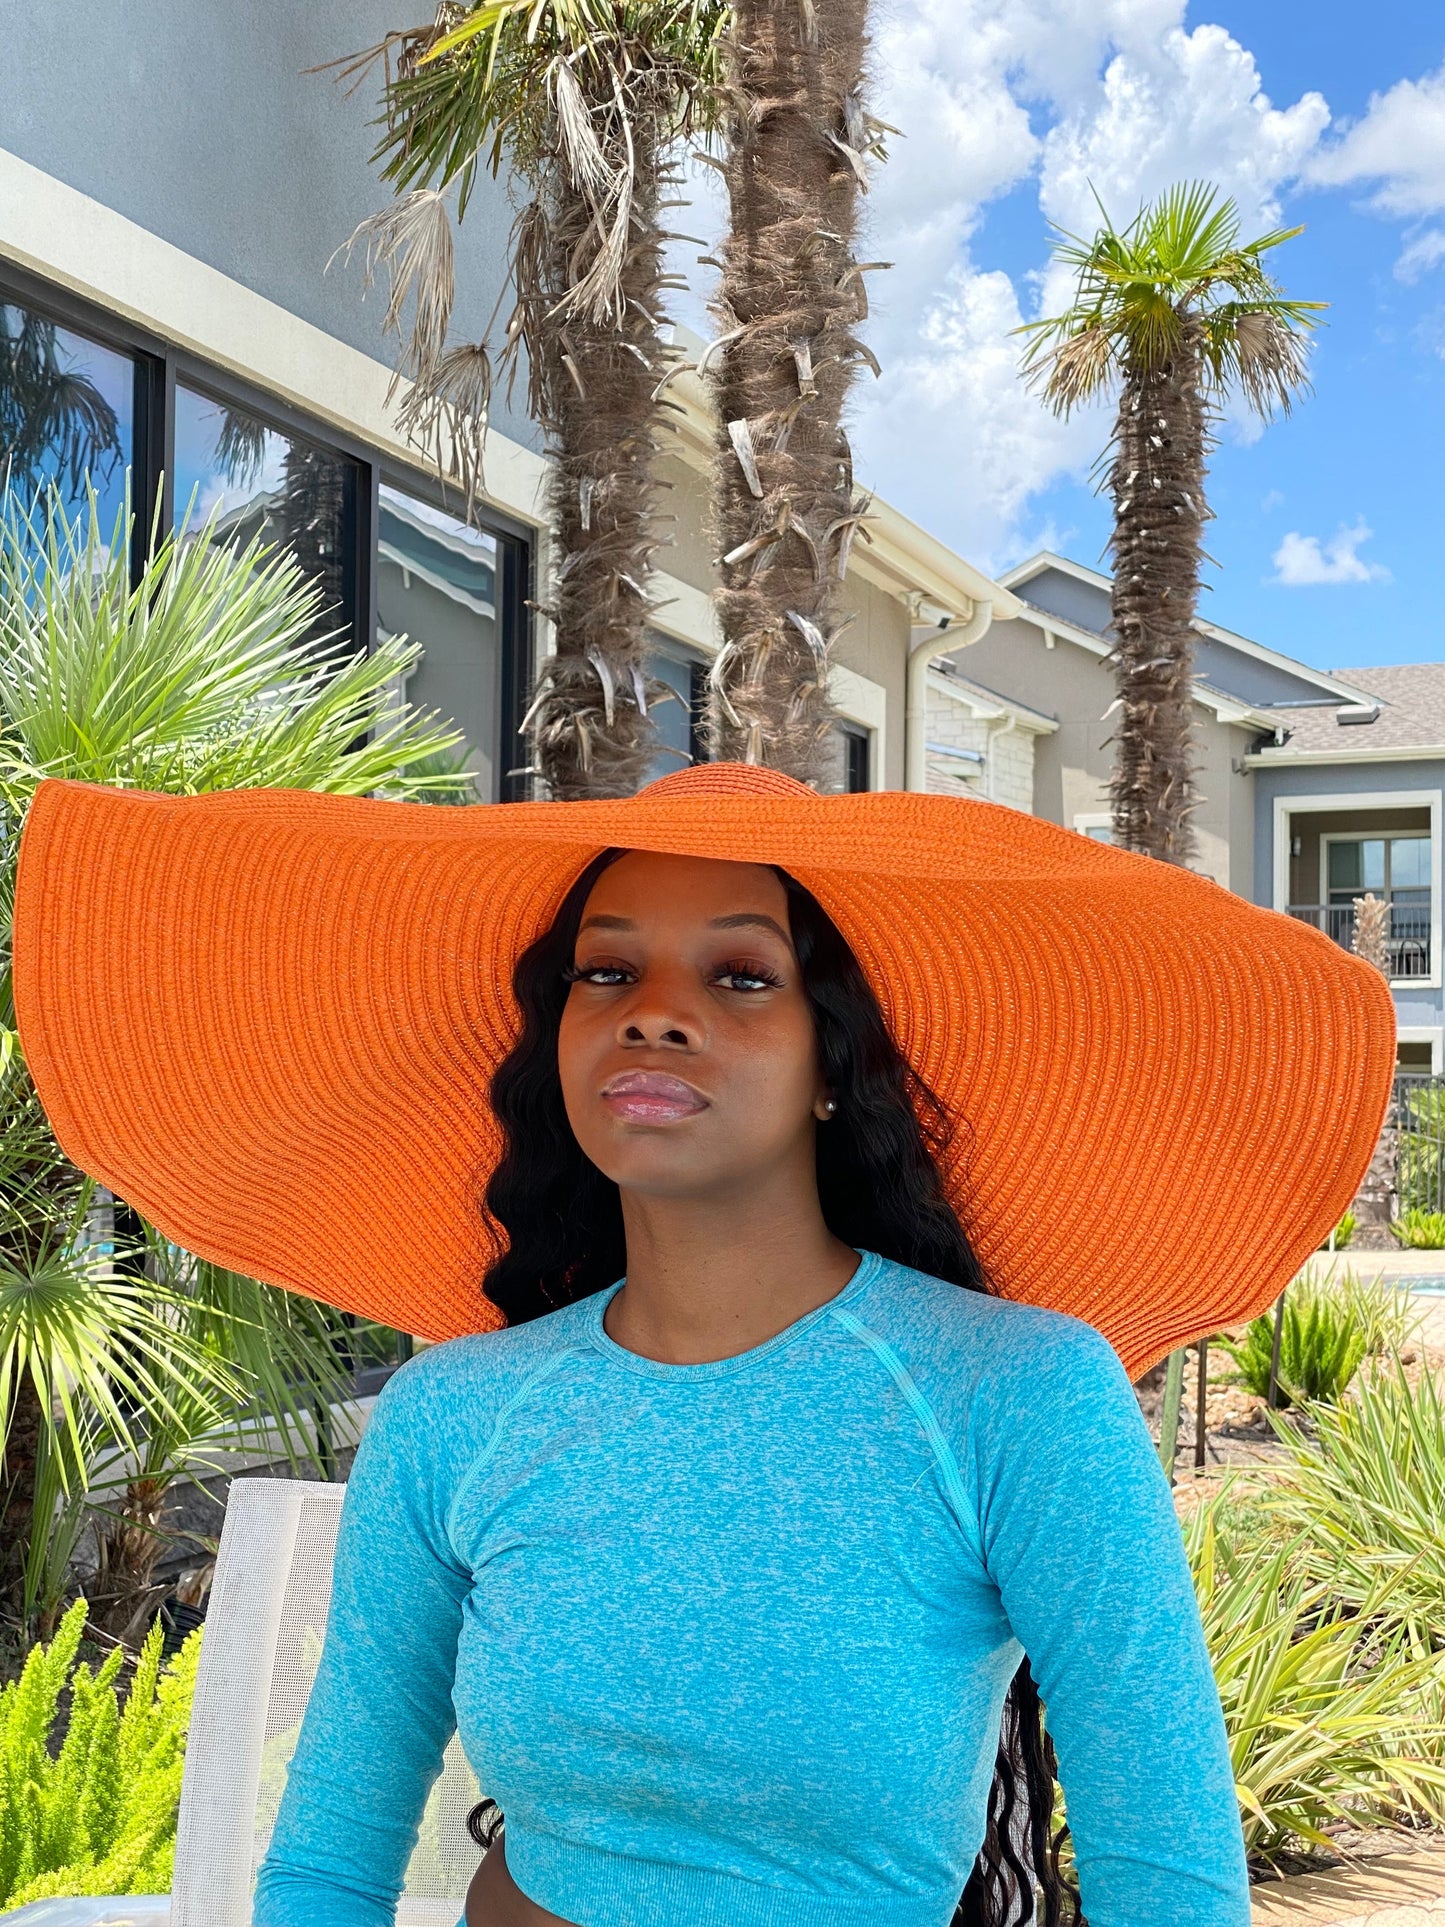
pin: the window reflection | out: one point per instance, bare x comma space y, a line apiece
261, 483
67, 410
436, 583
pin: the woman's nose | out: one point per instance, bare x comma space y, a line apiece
654, 1030
659, 1015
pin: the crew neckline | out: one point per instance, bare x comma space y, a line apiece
869, 1264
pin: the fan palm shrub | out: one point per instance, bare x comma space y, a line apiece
1366, 1497
1323, 1338
1178, 315
1334, 1712
95, 1814
202, 673
799, 139
585, 102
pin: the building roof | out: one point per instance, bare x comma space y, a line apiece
1289, 674
1411, 715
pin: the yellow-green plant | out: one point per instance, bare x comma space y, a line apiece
1385, 1315
1421, 1230
1366, 1497
1344, 1231
1322, 1340
1331, 1714
97, 1816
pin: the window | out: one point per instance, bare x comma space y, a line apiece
258, 483
1396, 868
437, 584
1097, 824
67, 414
857, 759
84, 396
679, 718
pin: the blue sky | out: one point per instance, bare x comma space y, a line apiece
1013, 110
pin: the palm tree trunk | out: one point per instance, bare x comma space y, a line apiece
1157, 482
593, 385
791, 293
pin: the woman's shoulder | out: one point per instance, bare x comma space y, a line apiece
972, 1340
460, 1381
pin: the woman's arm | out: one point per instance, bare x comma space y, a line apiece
380, 1712
1082, 1540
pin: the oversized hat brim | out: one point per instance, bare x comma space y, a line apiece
267, 1019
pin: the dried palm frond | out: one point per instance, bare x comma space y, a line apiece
412, 241
1272, 360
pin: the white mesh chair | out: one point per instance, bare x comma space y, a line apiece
264, 1629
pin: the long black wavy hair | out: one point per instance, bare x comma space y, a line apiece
880, 1189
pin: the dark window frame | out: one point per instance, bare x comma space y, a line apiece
159, 364
857, 757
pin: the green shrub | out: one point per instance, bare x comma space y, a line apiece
1385, 1314
1367, 1496
1344, 1231
1421, 1230
1330, 1715
1420, 1156
98, 1816
1323, 1339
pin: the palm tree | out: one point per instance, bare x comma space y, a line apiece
54, 421
791, 295
202, 674
585, 100
1177, 314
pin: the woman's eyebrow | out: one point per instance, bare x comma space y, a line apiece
601, 922
741, 919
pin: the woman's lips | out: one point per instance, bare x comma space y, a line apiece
651, 1097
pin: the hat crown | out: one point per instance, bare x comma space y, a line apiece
723, 779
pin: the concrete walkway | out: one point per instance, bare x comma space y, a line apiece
1401, 1890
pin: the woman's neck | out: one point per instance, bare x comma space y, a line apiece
709, 1278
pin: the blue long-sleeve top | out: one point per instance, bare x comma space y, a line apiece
729, 1643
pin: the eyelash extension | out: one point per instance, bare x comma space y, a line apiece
575, 974
758, 972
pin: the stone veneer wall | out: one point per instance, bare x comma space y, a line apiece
954, 723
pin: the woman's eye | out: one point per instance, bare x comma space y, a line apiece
747, 977
606, 975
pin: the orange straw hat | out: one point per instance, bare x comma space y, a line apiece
267, 1019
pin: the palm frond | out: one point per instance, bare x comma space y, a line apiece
204, 675
1177, 274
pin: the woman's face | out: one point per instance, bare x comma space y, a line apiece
687, 1055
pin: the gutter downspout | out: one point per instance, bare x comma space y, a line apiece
947, 637
1005, 728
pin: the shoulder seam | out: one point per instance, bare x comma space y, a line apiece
928, 1422
488, 1451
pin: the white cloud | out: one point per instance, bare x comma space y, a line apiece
1126, 102
1399, 145
1305, 562
1045, 98
1419, 255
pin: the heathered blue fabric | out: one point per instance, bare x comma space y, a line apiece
729, 1642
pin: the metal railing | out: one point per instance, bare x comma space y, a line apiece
1408, 940
1418, 1118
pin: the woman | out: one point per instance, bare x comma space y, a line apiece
729, 1549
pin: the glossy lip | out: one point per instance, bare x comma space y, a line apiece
651, 1097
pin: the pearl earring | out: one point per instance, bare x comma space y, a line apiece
831, 1105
